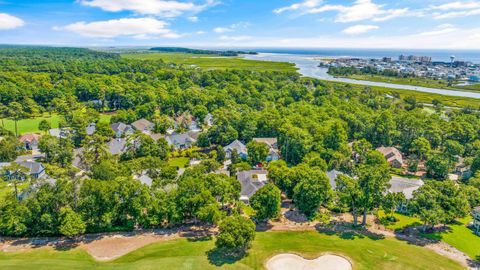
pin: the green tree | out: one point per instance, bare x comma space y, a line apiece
71, 223
44, 126
236, 234
420, 147
10, 148
349, 194
257, 152
14, 217
373, 178
311, 192
438, 166
391, 201
266, 202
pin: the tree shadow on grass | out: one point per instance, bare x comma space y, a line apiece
219, 257
347, 231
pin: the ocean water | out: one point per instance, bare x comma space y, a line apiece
437, 55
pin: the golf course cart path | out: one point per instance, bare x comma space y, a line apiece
289, 261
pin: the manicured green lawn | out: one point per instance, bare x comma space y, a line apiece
6, 190
180, 162
30, 125
402, 221
461, 237
365, 253
213, 62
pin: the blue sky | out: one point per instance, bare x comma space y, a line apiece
417, 24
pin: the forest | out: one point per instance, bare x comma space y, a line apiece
320, 126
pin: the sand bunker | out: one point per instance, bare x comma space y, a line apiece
295, 262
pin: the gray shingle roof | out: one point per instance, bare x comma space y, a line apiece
116, 146
251, 184
237, 145
405, 185
332, 175
142, 124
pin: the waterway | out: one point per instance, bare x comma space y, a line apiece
308, 66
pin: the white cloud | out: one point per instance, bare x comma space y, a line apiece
235, 38
299, 6
139, 28
459, 39
359, 11
221, 30
456, 14
8, 22
458, 5
231, 28
359, 29
193, 19
169, 8
440, 30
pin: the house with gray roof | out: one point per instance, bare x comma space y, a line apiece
143, 125
180, 141
332, 176
406, 186
121, 129
117, 146
272, 143
35, 169
237, 146
92, 127
476, 220
145, 179
251, 181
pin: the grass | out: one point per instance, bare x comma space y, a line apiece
365, 253
180, 162
402, 221
30, 125
214, 62
460, 237
6, 190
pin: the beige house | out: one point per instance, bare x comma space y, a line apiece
393, 156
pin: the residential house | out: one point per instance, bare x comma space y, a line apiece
251, 181
237, 146
60, 132
476, 220
393, 156
120, 129
90, 130
145, 179
30, 141
332, 176
180, 141
406, 186
208, 120
186, 120
273, 153
35, 169
143, 125
117, 146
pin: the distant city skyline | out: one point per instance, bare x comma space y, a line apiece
408, 24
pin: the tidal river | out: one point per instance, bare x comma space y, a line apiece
308, 66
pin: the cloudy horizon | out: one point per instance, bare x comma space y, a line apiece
430, 24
